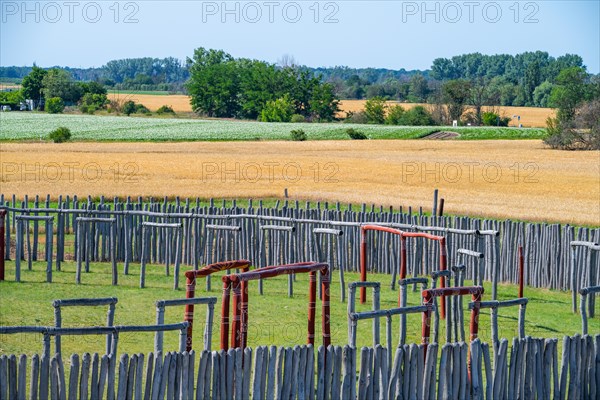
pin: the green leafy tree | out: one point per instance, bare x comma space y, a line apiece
55, 105
375, 109
214, 83
32, 85
541, 94
59, 83
456, 93
12, 99
260, 82
418, 89
582, 132
569, 92
280, 110
323, 104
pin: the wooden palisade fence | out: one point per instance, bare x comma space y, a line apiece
549, 258
528, 369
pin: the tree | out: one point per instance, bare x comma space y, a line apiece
55, 105
32, 85
418, 88
323, 104
214, 83
582, 132
59, 83
456, 93
12, 99
568, 93
541, 94
375, 110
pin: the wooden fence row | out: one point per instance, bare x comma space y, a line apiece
547, 251
529, 369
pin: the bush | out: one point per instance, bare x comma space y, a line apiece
128, 107
280, 110
395, 115
417, 116
87, 109
165, 110
492, 119
141, 109
298, 135
296, 118
55, 105
375, 110
355, 135
359, 117
60, 135
90, 102
580, 133
131, 107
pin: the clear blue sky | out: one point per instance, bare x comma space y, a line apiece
386, 34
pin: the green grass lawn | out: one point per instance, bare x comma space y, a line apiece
274, 318
35, 126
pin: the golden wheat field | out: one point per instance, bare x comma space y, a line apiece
530, 116
516, 179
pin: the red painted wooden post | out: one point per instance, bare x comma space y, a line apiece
190, 291
230, 281
428, 295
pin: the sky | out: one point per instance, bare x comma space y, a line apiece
380, 34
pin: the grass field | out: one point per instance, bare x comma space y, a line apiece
496, 179
33, 126
530, 116
274, 318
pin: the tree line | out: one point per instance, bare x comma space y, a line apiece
525, 79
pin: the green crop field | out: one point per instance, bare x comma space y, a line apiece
15, 126
275, 319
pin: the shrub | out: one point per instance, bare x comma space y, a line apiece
141, 109
492, 119
90, 102
60, 135
87, 109
165, 110
55, 105
417, 116
375, 110
395, 115
359, 117
280, 110
355, 135
128, 107
580, 133
298, 135
296, 118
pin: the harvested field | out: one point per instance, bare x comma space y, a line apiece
516, 179
530, 116
179, 103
